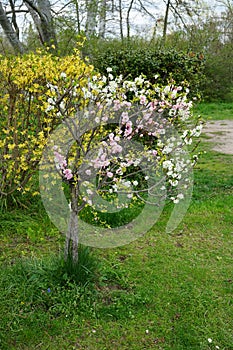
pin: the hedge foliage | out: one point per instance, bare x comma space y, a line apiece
26, 117
132, 59
219, 70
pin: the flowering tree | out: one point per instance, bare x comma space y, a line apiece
126, 146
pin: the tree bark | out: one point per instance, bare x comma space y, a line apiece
166, 20
91, 23
127, 18
41, 15
102, 18
10, 32
71, 244
121, 20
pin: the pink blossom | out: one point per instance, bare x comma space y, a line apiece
143, 99
119, 171
128, 129
117, 105
142, 120
60, 159
150, 121
152, 105
116, 148
103, 157
68, 174
146, 116
105, 118
97, 163
127, 104
99, 105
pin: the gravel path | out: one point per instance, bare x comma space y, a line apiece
221, 133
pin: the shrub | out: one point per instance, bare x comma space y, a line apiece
219, 70
217, 50
134, 58
26, 116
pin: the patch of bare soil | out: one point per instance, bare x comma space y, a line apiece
220, 132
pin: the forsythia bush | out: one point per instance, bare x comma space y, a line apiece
27, 83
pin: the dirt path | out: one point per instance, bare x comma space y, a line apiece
221, 133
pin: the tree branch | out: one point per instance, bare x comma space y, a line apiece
16, 11
14, 18
146, 11
34, 7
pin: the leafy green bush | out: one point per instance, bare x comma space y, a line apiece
219, 70
134, 58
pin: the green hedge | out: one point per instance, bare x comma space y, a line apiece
219, 70
133, 58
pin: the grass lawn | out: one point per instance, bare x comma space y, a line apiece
163, 291
215, 110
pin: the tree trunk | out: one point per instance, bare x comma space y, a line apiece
92, 10
36, 20
10, 32
127, 19
47, 22
42, 18
71, 244
102, 20
77, 15
166, 20
121, 20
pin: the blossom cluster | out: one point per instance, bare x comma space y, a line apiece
140, 129
61, 163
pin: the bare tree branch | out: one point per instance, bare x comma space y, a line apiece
14, 22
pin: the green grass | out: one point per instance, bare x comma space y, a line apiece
215, 110
163, 291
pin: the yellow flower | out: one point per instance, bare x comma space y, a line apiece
11, 146
7, 156
35, 193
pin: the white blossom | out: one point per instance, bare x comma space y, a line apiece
63, 75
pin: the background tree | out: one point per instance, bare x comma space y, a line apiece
212, 37
10, 30
184, 13
41, 14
